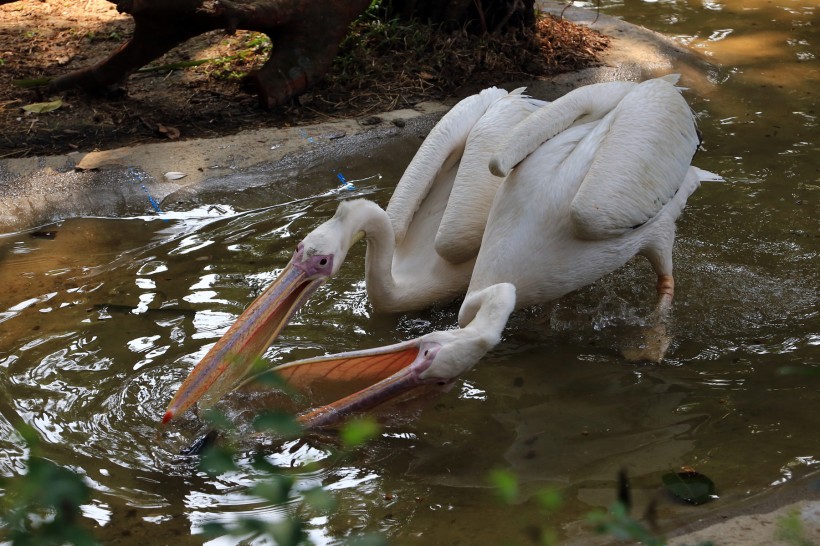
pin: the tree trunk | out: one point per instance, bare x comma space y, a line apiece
306, 36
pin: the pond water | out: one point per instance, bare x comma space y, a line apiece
102, 322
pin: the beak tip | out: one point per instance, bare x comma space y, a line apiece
167, 417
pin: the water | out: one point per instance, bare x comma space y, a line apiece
101, 323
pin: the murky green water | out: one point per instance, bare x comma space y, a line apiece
101, 323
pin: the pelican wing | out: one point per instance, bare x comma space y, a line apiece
582, 105
643, 150
462, 226
441, 149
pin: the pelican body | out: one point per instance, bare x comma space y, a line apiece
592, 179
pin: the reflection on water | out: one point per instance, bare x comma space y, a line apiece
102, 322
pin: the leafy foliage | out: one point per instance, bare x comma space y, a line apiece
790, 529
277, 485
619, 524
42, 506
549, 500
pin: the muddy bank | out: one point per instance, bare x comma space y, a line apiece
39, 190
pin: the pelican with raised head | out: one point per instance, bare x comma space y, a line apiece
420, 250
591, 180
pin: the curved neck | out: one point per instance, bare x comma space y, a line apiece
487, 310
495, 303
381, 245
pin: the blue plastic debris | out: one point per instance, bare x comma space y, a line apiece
345, 184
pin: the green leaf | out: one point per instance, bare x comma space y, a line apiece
261, 463
217, 460
73, 534
276, 489
217, 419
29, 434
792, 530
214, 529
358, 431
264, 375
692, 487
250, 525
319, 499
43, 107
506, 485
57, 487
45, 488
287, 532
549, 499
619, 524
277, 422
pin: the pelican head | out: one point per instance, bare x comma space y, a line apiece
318, 257
402, 370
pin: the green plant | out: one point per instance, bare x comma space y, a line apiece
42, 506
790, 529
250, 52
276, 485
618, 523
549, 501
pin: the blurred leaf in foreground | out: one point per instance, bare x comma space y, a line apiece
506, 485
358, 431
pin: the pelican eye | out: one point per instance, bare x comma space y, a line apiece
323, 262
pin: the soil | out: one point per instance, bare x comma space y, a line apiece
379, 68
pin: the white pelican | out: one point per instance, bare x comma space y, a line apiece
596, 177
420, 251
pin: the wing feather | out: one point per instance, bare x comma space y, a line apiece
443, 145
581, 105
462, 226
640, 163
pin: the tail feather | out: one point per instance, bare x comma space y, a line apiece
707, 176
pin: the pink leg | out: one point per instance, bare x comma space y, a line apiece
656, 340
666, 291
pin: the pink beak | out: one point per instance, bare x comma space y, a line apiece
233, 356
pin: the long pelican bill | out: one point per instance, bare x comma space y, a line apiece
383, 374
246, 340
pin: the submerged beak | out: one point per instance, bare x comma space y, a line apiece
246, 341
388, 373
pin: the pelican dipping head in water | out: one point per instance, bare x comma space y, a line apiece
394, 371
420, 250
